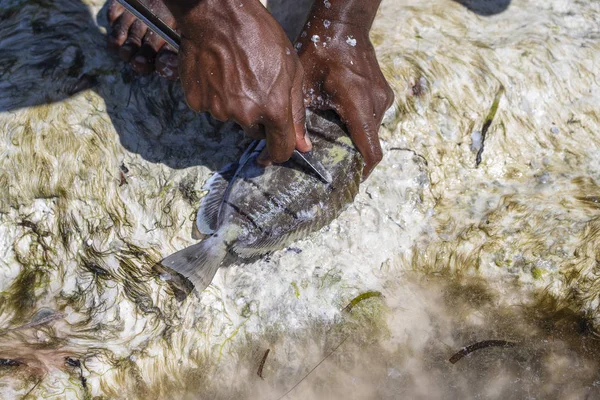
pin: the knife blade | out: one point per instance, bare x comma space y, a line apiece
308, 161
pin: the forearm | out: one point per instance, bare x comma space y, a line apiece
357, 13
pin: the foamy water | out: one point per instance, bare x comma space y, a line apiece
101, 173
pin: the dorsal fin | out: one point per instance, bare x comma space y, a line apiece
207, 219
208, 214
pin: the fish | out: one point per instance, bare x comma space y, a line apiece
251, 210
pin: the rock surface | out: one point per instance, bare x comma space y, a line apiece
101, 173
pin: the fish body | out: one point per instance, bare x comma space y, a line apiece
251, 210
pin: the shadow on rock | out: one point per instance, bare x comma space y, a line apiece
52, 51
485, 7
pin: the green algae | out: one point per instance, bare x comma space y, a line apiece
487, 122
230, 338
246, 310
365, 322
21, 296
361, 297
331, 277
187, 189
537, 273
296, 289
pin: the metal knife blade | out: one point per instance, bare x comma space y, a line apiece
308, 161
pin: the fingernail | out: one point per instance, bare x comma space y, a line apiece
140, 59
165, 72
264, 159
168, 59
307, 140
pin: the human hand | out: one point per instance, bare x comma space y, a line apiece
146, 51
341, 73
236, 62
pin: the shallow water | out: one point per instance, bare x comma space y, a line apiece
102, 173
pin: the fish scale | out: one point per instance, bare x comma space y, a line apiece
251, 210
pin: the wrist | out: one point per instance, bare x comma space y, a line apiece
345, 14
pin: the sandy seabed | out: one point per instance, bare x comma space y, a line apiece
481, 223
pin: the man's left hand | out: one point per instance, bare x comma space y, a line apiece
341, 73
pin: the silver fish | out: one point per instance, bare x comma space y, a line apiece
251, 210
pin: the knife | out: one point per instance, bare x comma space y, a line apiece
158, 26
307, 161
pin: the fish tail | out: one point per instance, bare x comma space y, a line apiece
199, 263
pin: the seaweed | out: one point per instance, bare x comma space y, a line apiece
296, 290
33, 388
75, 363
262, 364
361, 297
22, 293
488, 122
353, 325
228, 339
187, 190
478, 346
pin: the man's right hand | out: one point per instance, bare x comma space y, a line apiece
236, 62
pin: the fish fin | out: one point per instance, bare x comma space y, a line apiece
269, 244
253, 150
208, 213
198, 263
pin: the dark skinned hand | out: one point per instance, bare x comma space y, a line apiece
236, 62
341, 71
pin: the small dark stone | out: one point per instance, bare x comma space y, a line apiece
5, 362
73, 362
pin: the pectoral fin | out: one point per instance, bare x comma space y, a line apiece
208, 214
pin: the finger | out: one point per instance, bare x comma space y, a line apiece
167, 63
255, 131
134, 40
119, 30
281, 135
154, 41
115, 9
192, 81
363, 125
143, 62
303, 143
264, 159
